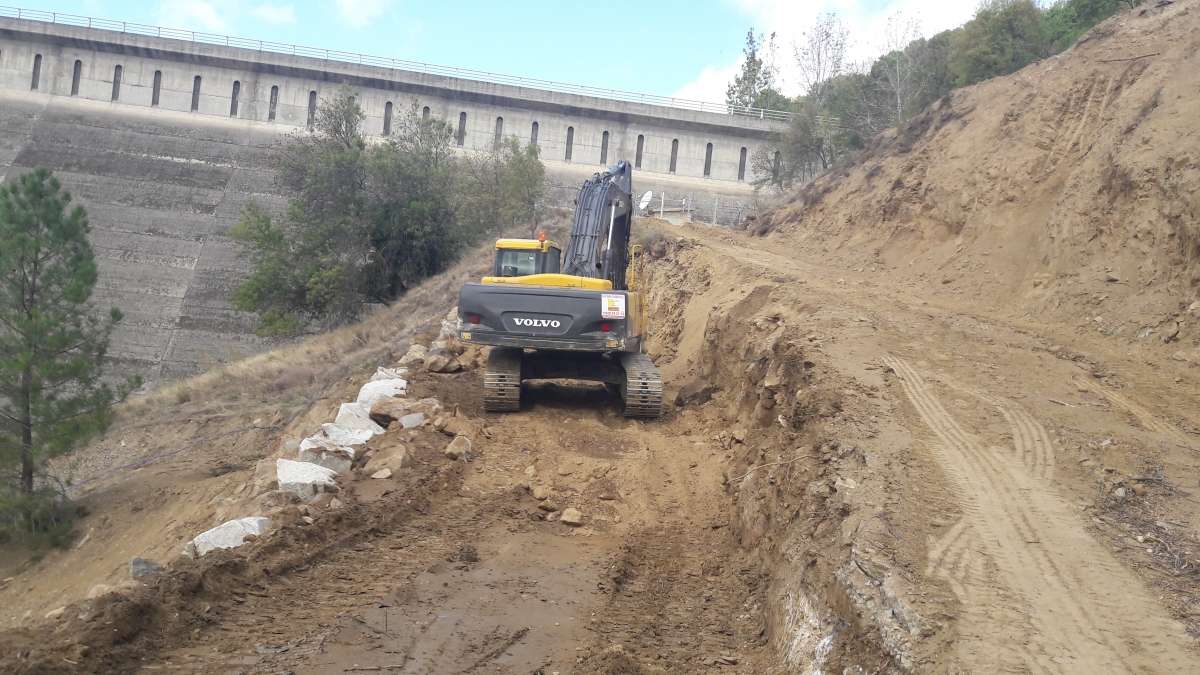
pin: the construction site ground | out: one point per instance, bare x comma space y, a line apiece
964, 459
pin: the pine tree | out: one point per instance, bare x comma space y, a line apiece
52, 346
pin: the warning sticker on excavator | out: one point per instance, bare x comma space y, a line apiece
612, 306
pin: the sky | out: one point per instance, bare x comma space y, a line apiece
669, 48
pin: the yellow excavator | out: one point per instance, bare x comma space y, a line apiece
576, 314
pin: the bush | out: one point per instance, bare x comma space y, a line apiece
44, 516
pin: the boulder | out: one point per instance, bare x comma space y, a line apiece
227, 535
412, 420
345, 437
304, 479
696, 392
355, 416
320, 450
460, 447
265, 477
373, 391
143, 568
416, 354
442, 361
572, 517
394, 456
389, 374
388, 410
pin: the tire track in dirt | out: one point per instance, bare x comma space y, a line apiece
1032, 443
1148, 419
1086, 613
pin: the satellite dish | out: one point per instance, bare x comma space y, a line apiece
646, 199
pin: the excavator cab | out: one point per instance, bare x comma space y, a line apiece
525, 257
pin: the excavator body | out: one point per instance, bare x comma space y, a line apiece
579, 315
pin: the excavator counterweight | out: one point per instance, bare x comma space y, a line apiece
578, 313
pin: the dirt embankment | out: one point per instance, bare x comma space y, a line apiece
1066, 190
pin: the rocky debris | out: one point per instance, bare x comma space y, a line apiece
458, 425
541, 492
442, 361
1191, 356
276, 500
1170, 331
101, 590
565, 470
144, 568
458, 448
548, 506
572, 516
322, 451
394, 456
345, 437
389, 374
355, 416
228, 535
415, 354
908, 619
388, 410
55, 613
696, 392
382, 473
265, 477
844, 484
304, 479
531, 471
373, 391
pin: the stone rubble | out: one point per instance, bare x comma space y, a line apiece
345, 437
143, 568
356, 416
303, 479
322, 451
373, 391
226, 535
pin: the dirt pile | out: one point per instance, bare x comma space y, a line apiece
1068, 189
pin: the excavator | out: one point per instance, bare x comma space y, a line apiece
577, 314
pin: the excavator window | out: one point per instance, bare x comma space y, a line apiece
523, 262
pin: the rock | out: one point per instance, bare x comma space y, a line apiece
382, 473
335, 504
416, 354
844, 484
388, 410
565, 470
1110, 277
345, 437
144, 568
321, 501
355, 416
322, 451
377, 389
459, 447
739, 435
277, 499
696, 392
1119, 493
541, 492
460, 425
607, 496
1170, 332
304, 479
1191, 356
908, 619
412, 420
389, 374
55, 613
228, 535
264, 475
572, 517
441, 361
548, 506
1139, 490
601, 470
531, 471
100, 590
393, 456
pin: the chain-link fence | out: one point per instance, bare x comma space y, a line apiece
689, 207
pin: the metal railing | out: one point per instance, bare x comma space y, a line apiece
384, 62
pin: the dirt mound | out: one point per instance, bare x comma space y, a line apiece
1068, 187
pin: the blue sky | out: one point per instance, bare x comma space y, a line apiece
687, 49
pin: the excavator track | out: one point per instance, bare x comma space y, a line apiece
643, 386
502, 380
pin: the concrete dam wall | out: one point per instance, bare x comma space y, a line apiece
164, 140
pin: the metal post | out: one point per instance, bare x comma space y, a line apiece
662, 204
716, 201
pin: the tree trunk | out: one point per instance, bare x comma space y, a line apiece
26, 412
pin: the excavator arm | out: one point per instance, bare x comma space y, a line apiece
599, 244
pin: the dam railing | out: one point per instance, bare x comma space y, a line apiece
385, 62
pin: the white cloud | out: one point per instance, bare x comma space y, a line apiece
275, 14
865, 19
360, 13
193, 15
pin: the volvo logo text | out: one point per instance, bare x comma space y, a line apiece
546, 323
